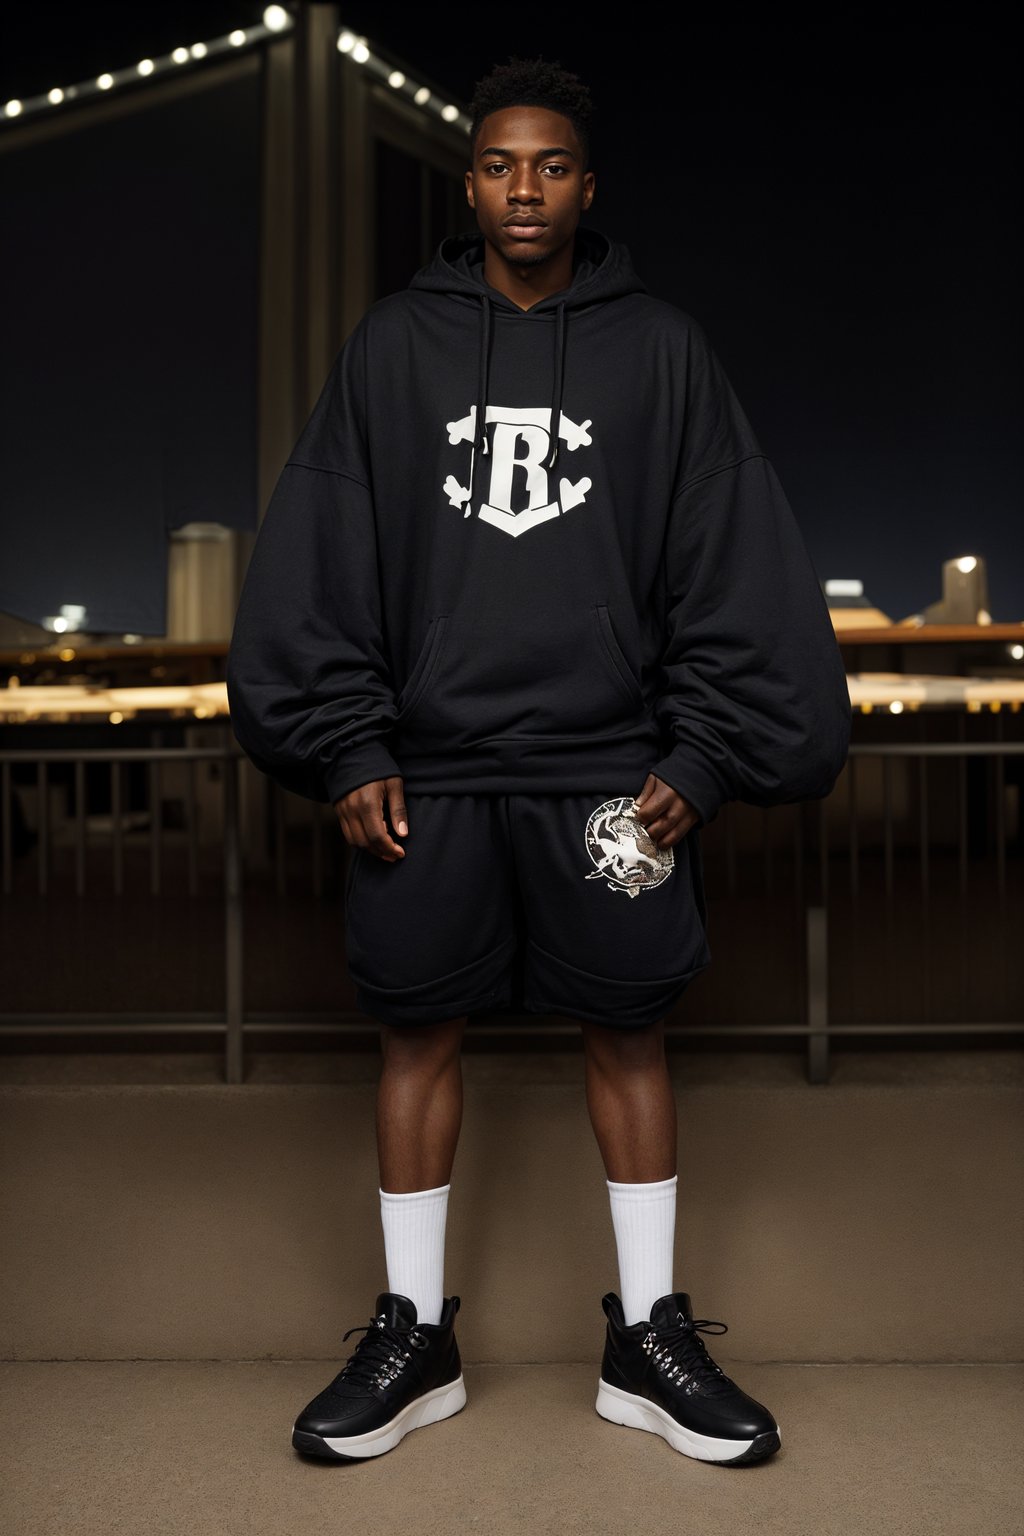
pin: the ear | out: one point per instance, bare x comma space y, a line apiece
469, 189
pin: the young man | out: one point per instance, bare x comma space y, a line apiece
525, 563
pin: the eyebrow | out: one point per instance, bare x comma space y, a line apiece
556, 149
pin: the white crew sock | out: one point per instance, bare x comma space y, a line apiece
414, 1230
644, 1218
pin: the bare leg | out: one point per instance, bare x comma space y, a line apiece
631, 1102
419, 1104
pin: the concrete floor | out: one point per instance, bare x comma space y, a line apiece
204, 1447
194, 1220
176, 1281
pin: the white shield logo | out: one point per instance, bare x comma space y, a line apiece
520, 445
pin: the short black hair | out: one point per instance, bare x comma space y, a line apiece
536, 82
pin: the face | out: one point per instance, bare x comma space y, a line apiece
528, 186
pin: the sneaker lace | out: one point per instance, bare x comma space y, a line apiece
682, 1355
380, 1354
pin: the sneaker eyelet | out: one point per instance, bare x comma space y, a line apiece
417, 1340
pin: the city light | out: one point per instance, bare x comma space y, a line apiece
276, 20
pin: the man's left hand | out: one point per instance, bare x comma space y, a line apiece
664, 812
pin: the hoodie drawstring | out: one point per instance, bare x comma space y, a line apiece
480, 435
556, 394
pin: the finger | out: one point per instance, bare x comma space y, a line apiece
649, 786
380, 841
656, 804
360, 815
345, 822
375, 830
354, 832
350, 813
664, 831
680, 829
396, 802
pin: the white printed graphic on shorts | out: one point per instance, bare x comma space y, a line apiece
624, 853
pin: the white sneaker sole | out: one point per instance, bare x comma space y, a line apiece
635, 1412
438, 1404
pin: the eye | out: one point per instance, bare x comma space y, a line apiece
555, 166
495, 165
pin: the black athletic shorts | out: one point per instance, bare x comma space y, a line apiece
539, 903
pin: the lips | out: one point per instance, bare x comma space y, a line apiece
525, 228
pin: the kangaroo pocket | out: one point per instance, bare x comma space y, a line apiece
479, 675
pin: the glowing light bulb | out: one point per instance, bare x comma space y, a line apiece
346, 42
55, 96
275, 18
236, 38
422, 96
396, 79
449, 113
105, 82
360, 52
180, 55
145, 66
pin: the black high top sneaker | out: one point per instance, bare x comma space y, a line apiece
401, 1375
657, 1375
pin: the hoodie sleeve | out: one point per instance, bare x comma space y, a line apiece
308, 683
754, 699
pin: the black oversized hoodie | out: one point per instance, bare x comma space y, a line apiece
535, 551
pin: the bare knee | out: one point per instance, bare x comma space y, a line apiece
421, 1047
624, 1050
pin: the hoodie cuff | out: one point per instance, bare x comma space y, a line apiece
359, 765
690, 776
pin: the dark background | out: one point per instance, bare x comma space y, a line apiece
130, 391
840, 207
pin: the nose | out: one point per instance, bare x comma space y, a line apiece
525, 187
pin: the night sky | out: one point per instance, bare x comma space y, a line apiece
839, 207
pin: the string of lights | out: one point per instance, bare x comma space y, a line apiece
276, 19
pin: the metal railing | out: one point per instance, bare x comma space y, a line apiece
813, 904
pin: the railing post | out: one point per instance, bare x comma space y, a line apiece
234, 1055
817, 995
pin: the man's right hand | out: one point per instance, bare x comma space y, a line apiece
361, 814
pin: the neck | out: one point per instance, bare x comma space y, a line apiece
526, 285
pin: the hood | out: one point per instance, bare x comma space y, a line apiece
603, 271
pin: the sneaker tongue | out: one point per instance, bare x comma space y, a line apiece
664, 1313
398, 1310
